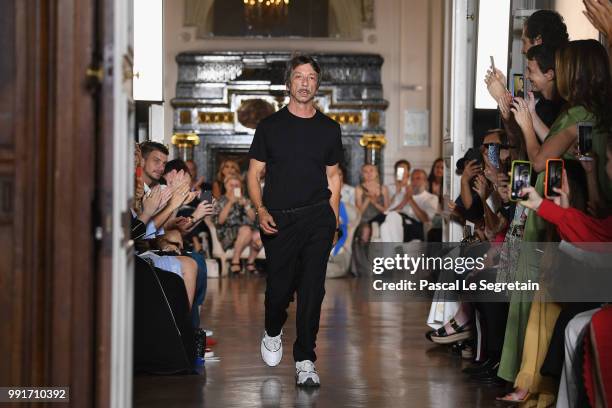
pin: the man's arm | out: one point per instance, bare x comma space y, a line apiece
418, 211
254, 176
334, 184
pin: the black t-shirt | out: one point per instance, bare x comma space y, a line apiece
548, 111
296, 151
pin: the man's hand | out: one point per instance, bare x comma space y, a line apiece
151, 203
266, 222
179, 195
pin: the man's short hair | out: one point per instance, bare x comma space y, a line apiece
301, 60
149, 146
400, 163
543, 55
176, 164
549, 26
419, 171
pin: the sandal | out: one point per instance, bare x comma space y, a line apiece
235, 265
251, 268
511, 397
463, 332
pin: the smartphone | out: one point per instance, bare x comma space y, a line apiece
554, 173
399, 174
493, 154
237, 192
585, 140
521, 177
518, 86
492, 64
138, 171
207, 196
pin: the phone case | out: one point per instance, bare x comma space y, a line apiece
546, 192
514, 163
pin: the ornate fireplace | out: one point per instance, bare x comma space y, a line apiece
221, 96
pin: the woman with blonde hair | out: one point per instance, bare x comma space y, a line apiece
371, 200
227, 168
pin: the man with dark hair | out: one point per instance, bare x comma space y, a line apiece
299, 149
544, 27
541, 75
154, 159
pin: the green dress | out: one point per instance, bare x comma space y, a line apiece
535, 228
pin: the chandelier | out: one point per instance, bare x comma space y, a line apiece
262, 14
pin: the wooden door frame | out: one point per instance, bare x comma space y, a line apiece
55, 285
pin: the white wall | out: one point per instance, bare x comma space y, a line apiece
408, 35
578, 26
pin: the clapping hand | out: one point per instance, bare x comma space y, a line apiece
520, 109
152, 202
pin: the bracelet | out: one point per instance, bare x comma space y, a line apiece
259, 208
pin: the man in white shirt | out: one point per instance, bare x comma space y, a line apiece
417, 203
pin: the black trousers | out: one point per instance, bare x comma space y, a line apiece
296, 261
493, 318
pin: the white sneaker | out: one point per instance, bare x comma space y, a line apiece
306, 374
272, 349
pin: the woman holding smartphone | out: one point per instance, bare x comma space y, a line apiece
583, 79
235, 222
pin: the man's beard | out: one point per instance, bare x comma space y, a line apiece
417, 190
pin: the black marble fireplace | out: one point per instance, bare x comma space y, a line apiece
221, 96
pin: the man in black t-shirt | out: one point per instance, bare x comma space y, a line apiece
299, 149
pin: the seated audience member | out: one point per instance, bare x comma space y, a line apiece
197, 183
435, 179
226, 169
416, 209
236, 227
435, 187
340, 258
347, 193
401, 179
371, 201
